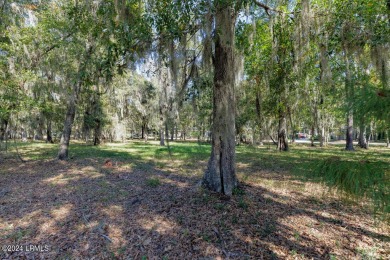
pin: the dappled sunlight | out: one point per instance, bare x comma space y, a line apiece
113, 211
49, 225
241, 165
176, 183
62, 212
154, 207
115, 233
62, 179
159, 224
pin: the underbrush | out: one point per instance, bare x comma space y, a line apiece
358, 179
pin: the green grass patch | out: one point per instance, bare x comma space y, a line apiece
153, 182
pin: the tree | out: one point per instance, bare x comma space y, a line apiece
220, 175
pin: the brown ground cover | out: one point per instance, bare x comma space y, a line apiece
86, 208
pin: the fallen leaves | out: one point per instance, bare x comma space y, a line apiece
118, 215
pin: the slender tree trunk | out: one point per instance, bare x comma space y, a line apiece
143, 131
97, 132
293, 127
259, 102
282, 132
71, 111
66, 133
166, 130
3, 129
321, 135
49, 137
388, 138
40, 128
312, 136
349, 99
220, 175
172, 132
162, 142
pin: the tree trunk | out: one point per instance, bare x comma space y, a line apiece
362, 136
349, 100
3, 129
172, 132
41, 127
65, 138
49, 137
312, 136
166, 130
293, 127
388, 138
282, 133
97, 132
259, 102
162, 143
220, 175
321, 135
143, 131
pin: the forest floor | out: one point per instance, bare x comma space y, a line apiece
143, 201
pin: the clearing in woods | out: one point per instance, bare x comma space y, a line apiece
144, 201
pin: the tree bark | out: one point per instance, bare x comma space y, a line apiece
220, 175
97, 132
312, 136
321, 135
3, 129
282, 132
65, 138
349, 99
362, 136
49, 137
259, 102
162, 143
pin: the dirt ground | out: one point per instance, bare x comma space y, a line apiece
86, 208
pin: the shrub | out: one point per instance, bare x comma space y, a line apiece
357, 179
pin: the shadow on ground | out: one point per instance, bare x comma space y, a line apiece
155, 209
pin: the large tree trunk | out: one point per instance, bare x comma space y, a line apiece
220, 175
362, 136
65, 138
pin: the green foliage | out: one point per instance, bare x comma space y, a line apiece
357, 179
153, 182
238, 191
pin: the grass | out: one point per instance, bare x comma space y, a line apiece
153, 182
149, 191
364, 173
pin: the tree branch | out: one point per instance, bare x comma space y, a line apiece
268, 8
